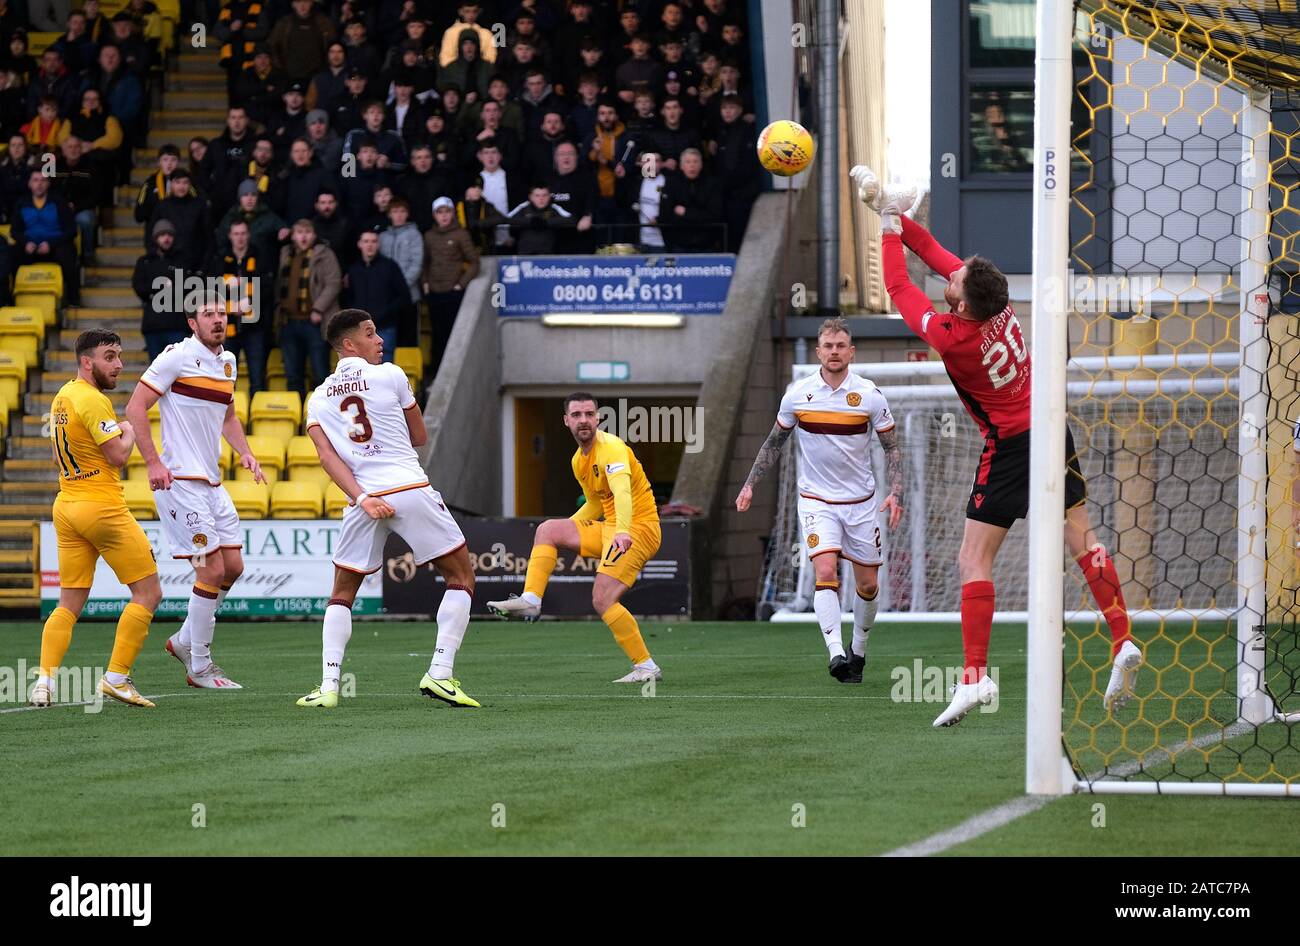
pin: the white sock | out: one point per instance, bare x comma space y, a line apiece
203, 625
453, 618
336, 631
531, 598
647, 664
48, 681
826, 602
864, 616
117, 679
183, 635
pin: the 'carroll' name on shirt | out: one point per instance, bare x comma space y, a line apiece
347, 387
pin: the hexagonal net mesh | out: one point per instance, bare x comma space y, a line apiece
1184, 221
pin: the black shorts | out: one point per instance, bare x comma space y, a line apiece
1000, 494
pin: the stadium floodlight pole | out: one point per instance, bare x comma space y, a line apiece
1254, 704
1044, 764
828, 157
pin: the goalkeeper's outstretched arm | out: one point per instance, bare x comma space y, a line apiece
922, 242
768, 455
913, 304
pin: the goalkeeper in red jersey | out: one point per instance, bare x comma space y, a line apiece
984, 352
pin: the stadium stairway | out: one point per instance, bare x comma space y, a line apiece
194, 90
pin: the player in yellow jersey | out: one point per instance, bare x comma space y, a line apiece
91, 520
616, 488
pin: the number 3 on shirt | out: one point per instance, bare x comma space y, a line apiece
355, 408
996, 358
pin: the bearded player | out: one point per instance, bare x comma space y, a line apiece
615, 487
984, 351
365, 425
836, 411
193, 384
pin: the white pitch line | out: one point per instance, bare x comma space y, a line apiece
28, 709
973, 827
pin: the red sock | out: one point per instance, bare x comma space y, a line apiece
1106, 591
976, 626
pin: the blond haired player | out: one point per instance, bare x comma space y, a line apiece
91, 520
836, 411
366, 425
615, 487
193, 384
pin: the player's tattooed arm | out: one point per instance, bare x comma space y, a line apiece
893, 461
768, 454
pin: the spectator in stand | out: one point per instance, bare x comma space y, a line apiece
158, 185
537, 99
231, 151
405, 117
480, 219
15, 167
573, 188
261, 170
583, 111
525, 29
326, 145
43, 231
97, 27
135, 51
466, 22
490, 129
512, 116
468, 71
643, 122
730, 84
414, 35
536, 224
388, 144
375, 284
649, 199
345, 109
450, 262
331, 82
513, 68
422, 183
332, 226
639, 71
200, 165
361, 53
441, 140
673, 53
290, 122
358, 190
735, 162
733, 46
672, 24
710, 78
412, 62
161, 323
299, 39
450, 98
75, 45
612, 153
673, 137
188, 214
101, 138
496, 187
241, 25
19, 61
42, 132
123, 96
246, 278
568, 42
300, 182
307, 294
592, 61
266, 229
675, 88
629, 27
690, 211
260, 89
79, 189
375, 220
539, 152
148, 22
708, 23
401, 242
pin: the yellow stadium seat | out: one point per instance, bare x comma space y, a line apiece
135, 465
40, 285
270, 454
252, 500
38, 42
13, 378
335, 501
22, 332
275, 370
276, 414
139, 499
6, 230
410, 360
296, 500
241, 407
303, 463
227, 461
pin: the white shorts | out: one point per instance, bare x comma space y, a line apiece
847, 528
421, 520
197, 518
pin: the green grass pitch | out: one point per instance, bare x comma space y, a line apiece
746, 732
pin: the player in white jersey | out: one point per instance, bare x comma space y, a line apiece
836, 411
366, 425
193, 383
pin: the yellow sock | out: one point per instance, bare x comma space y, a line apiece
627, 633
55, 639
540, 565
132, 629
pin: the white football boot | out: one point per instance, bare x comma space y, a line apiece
515, 607
1123, 674
178, 650
965, 697
211, 677
642, 675
42, 694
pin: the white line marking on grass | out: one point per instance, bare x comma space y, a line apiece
107, 699
974, 827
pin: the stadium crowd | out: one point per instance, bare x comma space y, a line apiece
373, 150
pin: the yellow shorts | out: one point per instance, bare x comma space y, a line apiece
597, 536
88, 530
